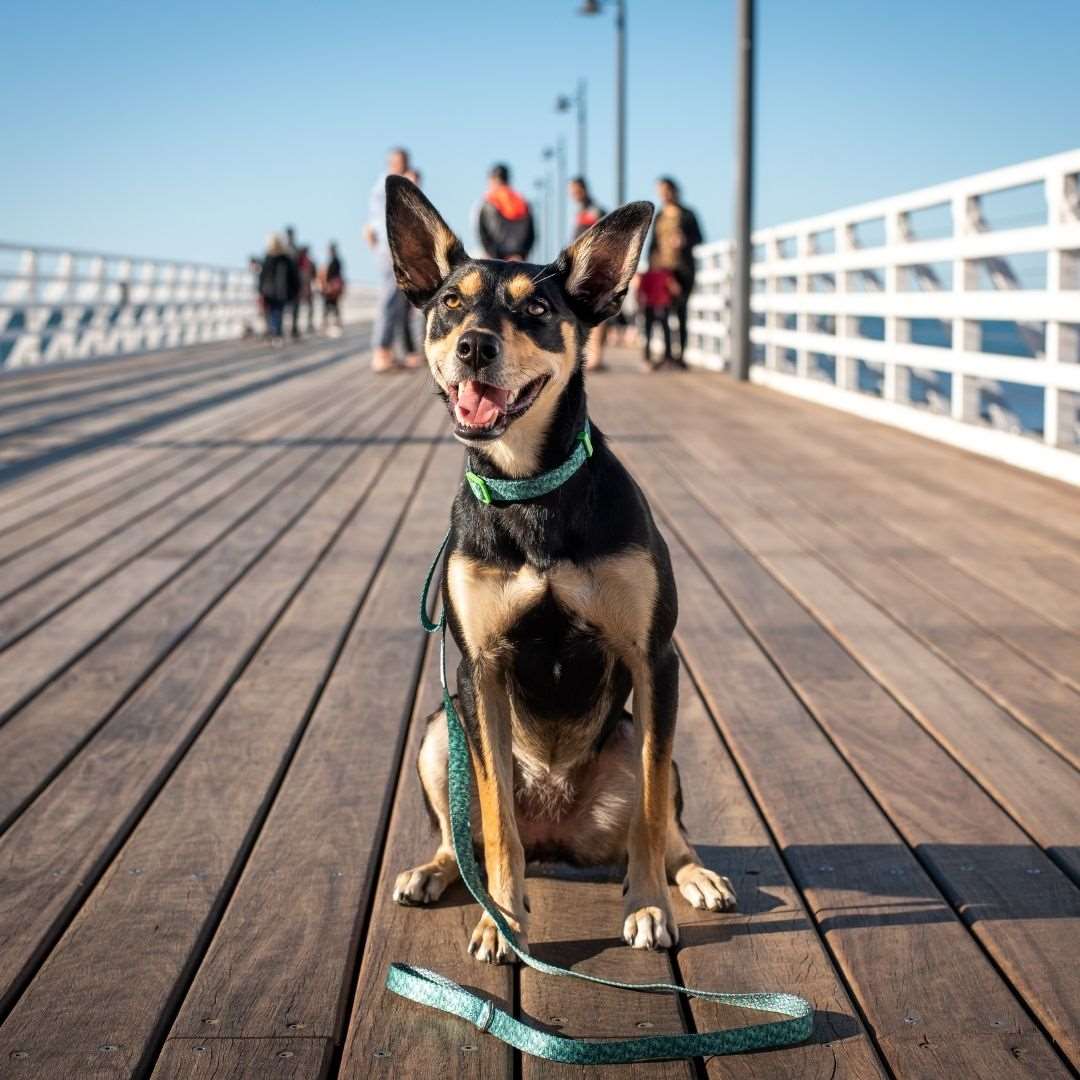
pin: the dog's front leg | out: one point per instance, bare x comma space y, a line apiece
491, 745
649, 923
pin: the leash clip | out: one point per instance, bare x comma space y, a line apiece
487, 1014
479, 487
586, 439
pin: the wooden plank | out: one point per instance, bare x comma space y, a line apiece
32, 382
991, 547
769, 943
1045, 706
35, 659
43, 735
21, 492
389, 1036
109, 432
306, 887
146, 906
93, 496
243, 1059
55, 850
71, 414
877, 907
977, 486
1022, 908
1025, 631
22, 500
68, 388
53, 574
1011, 763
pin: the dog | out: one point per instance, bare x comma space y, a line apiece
560, 605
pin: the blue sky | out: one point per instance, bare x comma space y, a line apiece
188, 130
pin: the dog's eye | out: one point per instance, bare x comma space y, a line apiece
451, 300
536, 308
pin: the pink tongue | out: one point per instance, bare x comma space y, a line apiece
479, 404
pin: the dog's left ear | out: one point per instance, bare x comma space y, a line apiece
600, 264
423, 247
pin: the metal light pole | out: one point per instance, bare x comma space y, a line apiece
582, 137
744, 157
543, 185
564, 103
558, 153
594, 7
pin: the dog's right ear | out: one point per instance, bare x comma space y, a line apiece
423, 247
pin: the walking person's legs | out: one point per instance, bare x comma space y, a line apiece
408, 340
649, 317
274, 314
383, 358
664, 315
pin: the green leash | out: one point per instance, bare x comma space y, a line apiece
430, 988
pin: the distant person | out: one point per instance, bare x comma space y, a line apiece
675, 234
657, 292
331, 281
588, 213
392, 315
255, 269
505, 221
279, 285
292, 312
305, 267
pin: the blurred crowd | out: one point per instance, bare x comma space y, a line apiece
288, 280
505, 228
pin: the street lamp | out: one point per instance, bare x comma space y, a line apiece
564, 103
543, 186
558, 152
595, 7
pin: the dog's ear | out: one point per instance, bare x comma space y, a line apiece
423, 247
599, 265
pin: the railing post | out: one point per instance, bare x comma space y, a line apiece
744, 150
1059, 406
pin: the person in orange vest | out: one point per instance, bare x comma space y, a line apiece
505, 222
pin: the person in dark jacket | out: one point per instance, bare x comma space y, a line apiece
675, 234
505, 222
331, 281
279, 285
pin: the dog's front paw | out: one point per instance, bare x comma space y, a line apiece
490, 947
705, 890
650, 926
421, 885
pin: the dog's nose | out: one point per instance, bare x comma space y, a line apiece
477, 348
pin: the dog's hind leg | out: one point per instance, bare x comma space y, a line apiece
426, 883
701, 887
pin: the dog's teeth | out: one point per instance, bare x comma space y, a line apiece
511, 397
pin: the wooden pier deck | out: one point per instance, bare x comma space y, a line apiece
210, 674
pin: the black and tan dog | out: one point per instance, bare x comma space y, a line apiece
560, 605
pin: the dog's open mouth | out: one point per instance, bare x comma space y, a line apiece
483, 411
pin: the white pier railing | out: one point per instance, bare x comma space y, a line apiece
953, 311
58, 304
